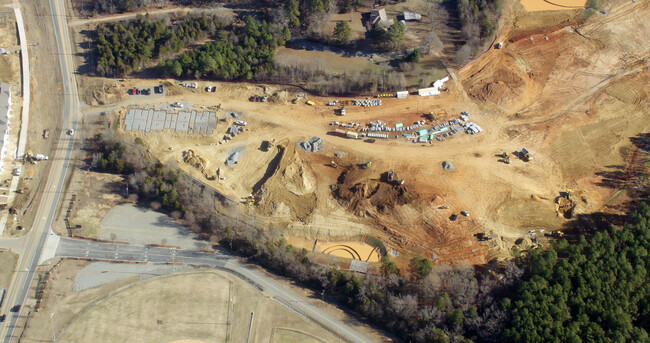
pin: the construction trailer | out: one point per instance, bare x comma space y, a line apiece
351, 134
342, 111
340, 132
428, 91
402, 94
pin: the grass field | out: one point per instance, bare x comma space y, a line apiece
191, 306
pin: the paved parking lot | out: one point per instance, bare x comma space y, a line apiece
142, 226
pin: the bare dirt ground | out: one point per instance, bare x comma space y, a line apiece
7, 265
160, 308
575, 95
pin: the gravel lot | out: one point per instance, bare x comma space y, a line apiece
142, 226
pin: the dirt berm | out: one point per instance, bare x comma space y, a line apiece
365, 196
288, 186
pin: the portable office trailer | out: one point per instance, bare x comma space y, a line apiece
351, 134
340, 132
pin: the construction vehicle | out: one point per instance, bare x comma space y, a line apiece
249, 200
525, 155
334, 164
557, 234
506, 157
565, 203
365, 165
391, 177
46, 133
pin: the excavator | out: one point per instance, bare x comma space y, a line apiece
391, 177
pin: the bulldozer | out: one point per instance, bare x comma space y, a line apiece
334, 164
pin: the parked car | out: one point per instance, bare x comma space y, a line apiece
132, 91
465, 213
146, 91
158, 89
16, 308
453, 217
71, 132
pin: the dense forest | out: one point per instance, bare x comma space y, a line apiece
245, 52
122, 48
595, 289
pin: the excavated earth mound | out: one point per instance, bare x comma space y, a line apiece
287, 186
368, 197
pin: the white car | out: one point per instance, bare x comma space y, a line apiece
71, 132
177, 104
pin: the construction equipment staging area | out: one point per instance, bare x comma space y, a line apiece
157, 120
415, 132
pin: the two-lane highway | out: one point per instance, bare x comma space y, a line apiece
35, 239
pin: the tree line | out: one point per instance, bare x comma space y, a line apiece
479, 20
595, 290
243, 53
123, 48
95, 7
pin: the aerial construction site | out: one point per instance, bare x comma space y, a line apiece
391, 158
556, 110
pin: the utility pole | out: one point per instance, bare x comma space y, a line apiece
250, 328
52, 321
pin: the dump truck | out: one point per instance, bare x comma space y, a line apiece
525, 155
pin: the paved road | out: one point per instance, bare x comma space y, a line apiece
32, 244
130, 253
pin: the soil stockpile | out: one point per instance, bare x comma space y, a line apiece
365, 196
